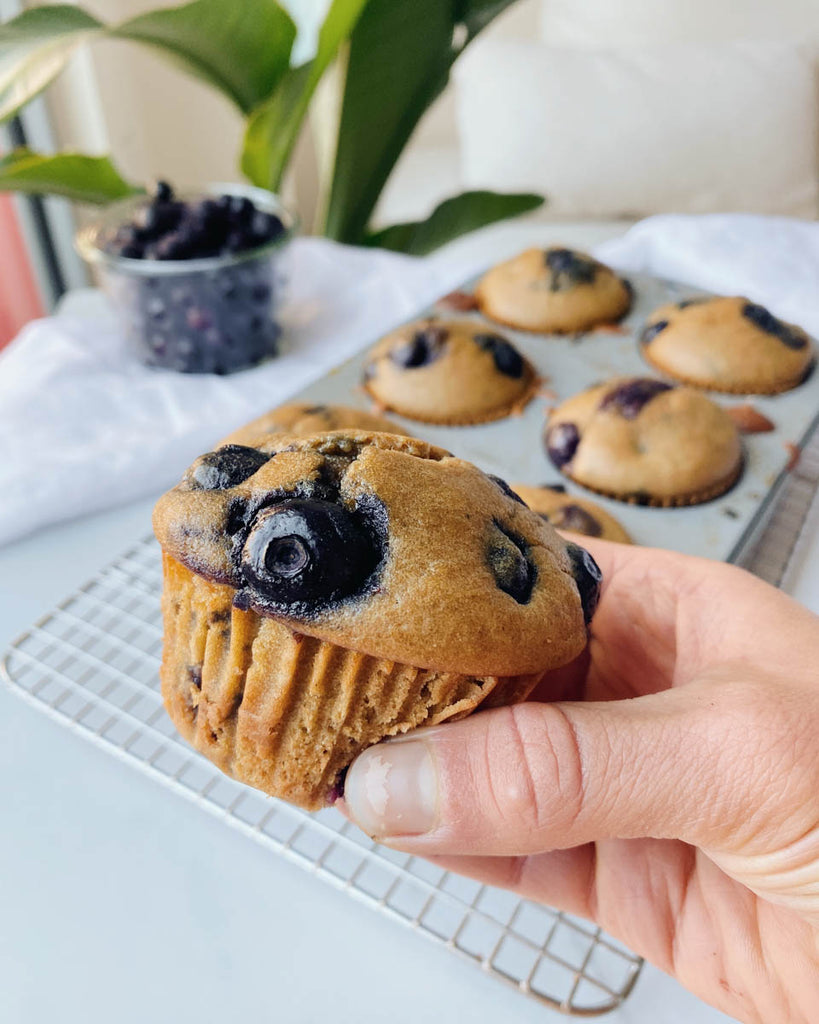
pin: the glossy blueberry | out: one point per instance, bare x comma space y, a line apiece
508, 360
569, 268
766, 321
226, 467
423, 348
630, 398
561, 443
588, 578
507, 490
308, 553
575, 517
510, 565
242, 209
650, 331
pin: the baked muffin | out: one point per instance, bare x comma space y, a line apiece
325, 592
303, 418
567, 512
450, 372
645, 442
727, 344
553, 290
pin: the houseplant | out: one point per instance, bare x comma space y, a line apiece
392, 58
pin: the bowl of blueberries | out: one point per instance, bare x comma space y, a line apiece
197, 276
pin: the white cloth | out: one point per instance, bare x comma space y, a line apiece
83, 426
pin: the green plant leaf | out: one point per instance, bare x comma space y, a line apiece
452, 218
398, 62
35, 47
241, 48
274, 126
85, 179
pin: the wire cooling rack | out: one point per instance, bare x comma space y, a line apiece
93, 663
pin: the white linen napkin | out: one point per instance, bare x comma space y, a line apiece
83, 426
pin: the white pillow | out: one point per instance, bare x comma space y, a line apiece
615, 23
682, 128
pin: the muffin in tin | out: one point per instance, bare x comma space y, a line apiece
727, 344
569, 512
308, 418
454, 372
324, 592
643, 441
554, 290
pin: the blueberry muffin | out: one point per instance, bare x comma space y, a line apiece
727, 344
553, 290
567, 512
322, 593
303, 418
450, 372
645, 442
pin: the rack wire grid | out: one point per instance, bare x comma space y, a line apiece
92, 664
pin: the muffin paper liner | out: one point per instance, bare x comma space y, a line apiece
285, 712
775, 389
674, 500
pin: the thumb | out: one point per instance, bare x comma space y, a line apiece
534, 777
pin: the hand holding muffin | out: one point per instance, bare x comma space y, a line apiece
670, 797
324, 592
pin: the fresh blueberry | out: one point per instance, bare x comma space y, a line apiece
508, 360
242, 209
588, 578
507, 490
576, 518
630, 398
226, 467
423, 348
562, 440
307, 553
508, 562
766, 321
569, 268
650, 331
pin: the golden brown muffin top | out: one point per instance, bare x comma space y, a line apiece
305, 418
555, 289
569, 512
386, 545
633, 436
727, 344
449, 371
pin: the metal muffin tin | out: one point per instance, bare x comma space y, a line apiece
512, 448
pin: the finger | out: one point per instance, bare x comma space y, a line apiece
664, 618
538, 777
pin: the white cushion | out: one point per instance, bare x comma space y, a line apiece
683, 128
615, 23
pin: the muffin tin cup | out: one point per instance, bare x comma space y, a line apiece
212, 315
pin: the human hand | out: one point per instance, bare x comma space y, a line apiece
671, 795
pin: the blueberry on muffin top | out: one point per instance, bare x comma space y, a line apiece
387, 545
